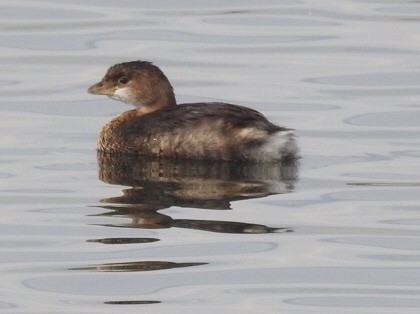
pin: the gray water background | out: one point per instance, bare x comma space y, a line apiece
344, 74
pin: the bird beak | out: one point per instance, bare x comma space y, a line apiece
101, 89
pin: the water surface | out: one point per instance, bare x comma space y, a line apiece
337, 233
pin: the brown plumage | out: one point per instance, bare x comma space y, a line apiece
160, 127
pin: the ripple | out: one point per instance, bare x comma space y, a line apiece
408, 153
406, 222
322, 50
7, 305
202, 38
395, 119
400, 243
138, 266
37, 191
368, 134
384, 79
50, 42
393, 257
264, 21
149, 282
164, 251
4, 82
4, 175
123, 240
379, 194
382, 176
43, 13
60, 108
132, 302
29, 151
356, 301
68, 167
168, 5
406, 9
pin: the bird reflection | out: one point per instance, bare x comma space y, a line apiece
156, 184
132, 302
136, 266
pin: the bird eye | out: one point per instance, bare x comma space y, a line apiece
123, 80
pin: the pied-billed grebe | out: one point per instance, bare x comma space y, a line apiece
160, 127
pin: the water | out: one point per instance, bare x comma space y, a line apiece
338, 233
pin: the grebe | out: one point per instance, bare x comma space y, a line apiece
158, 127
